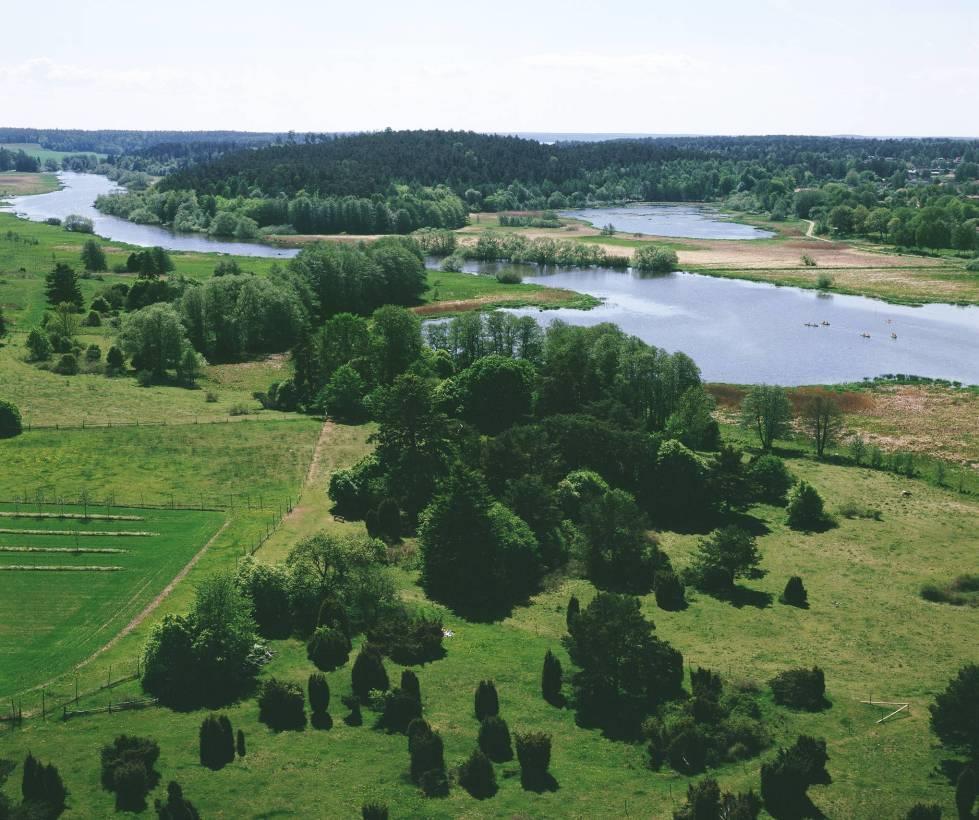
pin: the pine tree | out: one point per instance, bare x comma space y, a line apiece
61, 285
551, 679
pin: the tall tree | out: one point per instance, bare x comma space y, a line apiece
823, 420
61, 285
767, 411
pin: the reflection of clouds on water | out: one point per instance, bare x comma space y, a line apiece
740, 331
668, 219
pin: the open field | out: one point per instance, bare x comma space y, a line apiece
16, 183
449, 293
51, 620
151, 464
866, 621
42, 154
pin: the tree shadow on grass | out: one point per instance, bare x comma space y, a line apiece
741, 596
540, 783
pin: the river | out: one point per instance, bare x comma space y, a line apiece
77, 196
747, 332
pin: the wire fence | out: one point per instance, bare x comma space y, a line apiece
87, 504
87, 424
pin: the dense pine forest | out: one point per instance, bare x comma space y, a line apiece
918, 193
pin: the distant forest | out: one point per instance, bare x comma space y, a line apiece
910, 192
127, 142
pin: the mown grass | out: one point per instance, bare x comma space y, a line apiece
867, 627
152, 464
50, 620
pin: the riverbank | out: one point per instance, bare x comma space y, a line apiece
788, 258
16, 183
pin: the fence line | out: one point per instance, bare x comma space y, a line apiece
199, 502
85, 425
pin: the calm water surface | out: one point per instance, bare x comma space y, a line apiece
657, 219
748, 332
78, 197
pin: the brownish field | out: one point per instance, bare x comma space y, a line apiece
14, 183
929, 420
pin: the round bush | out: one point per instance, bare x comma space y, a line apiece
67, 365
10, 421
795, 593
770, 478
328, 648
281, 705
477, 777
805, 508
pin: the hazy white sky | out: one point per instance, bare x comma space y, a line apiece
685, 66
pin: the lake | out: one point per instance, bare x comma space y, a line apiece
78, 197
659, 219
745, 332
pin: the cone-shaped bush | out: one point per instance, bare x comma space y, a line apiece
486, 701
477, 777
42, 785
427, 753
805, 508
435, 783
241, 744
319, 693
328, 648
409, 684
217, 744
574, 607
795, 593
551, 678
368, 673
494, 739
534, 754
670, 594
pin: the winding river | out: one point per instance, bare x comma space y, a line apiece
737, 331
77, 196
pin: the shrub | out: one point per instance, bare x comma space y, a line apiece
39, 348
319, 693
281, 705
210, 397
487, 702
374, 811
795, 593
93, 353
853, 509
770, 478
389, 520
808, 261
534, 754
494, 739
477, 777
176, 806
435, 783
406, 639
67, 365
966, 787
800, 688
217, 743
426, 750
41, 785
551, 678
410, 684
805, 508
400, 709
328, 648
240, 743
650, 259
353, 704
144, 378
824, 282
670, 593
10, 421
961, 591
368, 673
239, 409
93, 319
955, 712
509, 277
127, 770
785, 780
114, 358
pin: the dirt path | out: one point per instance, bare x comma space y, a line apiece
312, 474
810, 231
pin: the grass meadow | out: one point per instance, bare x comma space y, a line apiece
50, 618
867, 627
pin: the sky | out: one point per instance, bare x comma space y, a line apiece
872, 67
